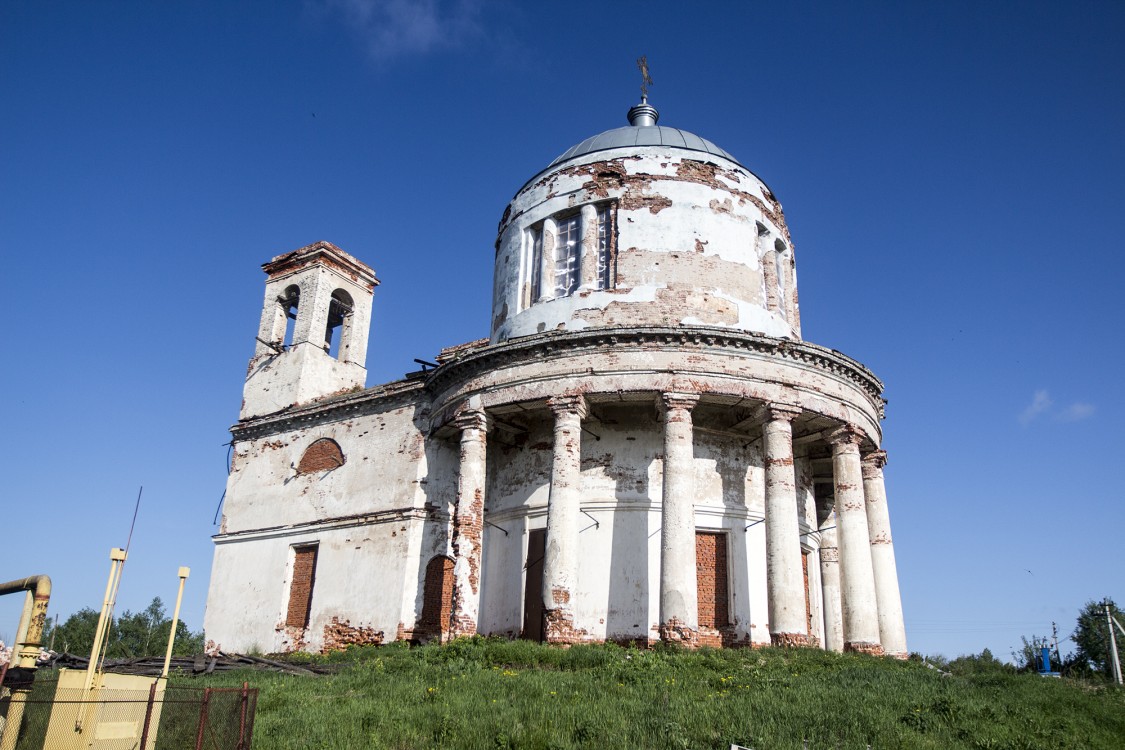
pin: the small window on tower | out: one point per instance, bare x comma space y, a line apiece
338, 333
289, 301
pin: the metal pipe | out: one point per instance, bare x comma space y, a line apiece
29, 638
184, 572
34, 617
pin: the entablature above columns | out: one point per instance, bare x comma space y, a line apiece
713, 368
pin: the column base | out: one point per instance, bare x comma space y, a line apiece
794, 640
862, 647
900, 655
558, 628
674, 631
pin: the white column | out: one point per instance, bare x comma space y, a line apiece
857, 582
679, 606
892, 629
560, 563
468, 522
547, 260
830, 585
785, 581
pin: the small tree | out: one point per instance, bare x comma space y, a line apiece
1027, 657
1091, 637
133, 634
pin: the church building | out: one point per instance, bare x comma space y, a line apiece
643, 449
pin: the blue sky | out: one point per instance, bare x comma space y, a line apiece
953, 174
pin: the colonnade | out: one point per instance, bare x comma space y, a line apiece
862, 605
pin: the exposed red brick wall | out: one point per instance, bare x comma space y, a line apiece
339, 634
322, 455
711, 580
301, 589
437, 599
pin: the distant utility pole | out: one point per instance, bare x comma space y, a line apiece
1055, 636
1112, 645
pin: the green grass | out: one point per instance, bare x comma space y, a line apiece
482, 693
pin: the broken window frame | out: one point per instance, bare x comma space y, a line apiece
566, 267
568, 255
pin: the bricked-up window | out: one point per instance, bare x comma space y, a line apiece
437, 597
301, 588
712, 580
322, 455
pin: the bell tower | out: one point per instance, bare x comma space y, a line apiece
312, 341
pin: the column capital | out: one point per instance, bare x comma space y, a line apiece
575, 404
873, 463
775, 412
845, 434
472, 419
670, 401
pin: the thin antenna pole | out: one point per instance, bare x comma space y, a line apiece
120, 572
136, 510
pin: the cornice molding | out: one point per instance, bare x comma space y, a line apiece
557, 344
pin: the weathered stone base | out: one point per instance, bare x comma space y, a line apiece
794, 640
673, 632
900, 655
558, 628
860, 647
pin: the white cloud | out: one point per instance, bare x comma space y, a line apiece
1076, 412
397, 28
1043, 404
1040, 403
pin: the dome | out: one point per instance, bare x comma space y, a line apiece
642, 130
642, 135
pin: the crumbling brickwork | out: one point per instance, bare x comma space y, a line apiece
340, 634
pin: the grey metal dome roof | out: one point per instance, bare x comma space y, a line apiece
643, 135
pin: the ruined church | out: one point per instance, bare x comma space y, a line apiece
644, 448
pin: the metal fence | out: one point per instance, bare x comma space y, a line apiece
163, 716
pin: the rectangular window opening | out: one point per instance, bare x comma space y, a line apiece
568, 256
605, 233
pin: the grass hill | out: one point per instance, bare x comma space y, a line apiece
483, 693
